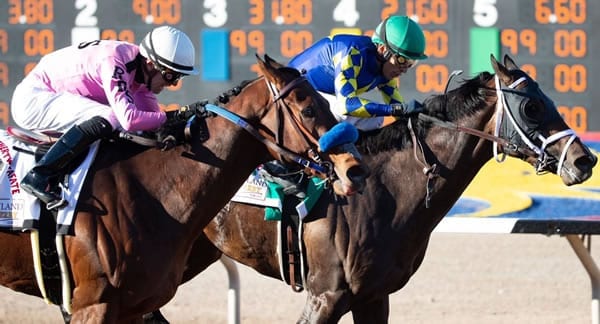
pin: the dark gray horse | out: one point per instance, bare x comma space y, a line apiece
363, 248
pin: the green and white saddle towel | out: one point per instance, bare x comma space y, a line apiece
257, 191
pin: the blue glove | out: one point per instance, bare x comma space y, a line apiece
406, 108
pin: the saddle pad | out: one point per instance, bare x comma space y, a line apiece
255, 191
258, 191
19, 210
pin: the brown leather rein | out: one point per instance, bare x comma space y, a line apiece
432, 171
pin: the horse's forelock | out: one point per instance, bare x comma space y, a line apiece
294, 73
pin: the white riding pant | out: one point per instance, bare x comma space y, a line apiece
39, 109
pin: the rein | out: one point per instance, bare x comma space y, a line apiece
472, 131
236, 119
432, 170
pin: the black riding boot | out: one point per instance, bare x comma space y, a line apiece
72, 143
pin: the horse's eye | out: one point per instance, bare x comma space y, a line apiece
534, 111
308, 112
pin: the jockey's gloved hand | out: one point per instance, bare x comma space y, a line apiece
197, 108
406, 108
180, 114
170, 134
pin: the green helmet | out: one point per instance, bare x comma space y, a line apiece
401, 35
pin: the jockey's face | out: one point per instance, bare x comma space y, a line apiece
395, 65
157, 82
154, 80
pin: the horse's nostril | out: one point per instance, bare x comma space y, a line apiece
586, 162
357, 173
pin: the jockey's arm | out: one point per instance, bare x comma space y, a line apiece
348, 101
390, 93
116, 80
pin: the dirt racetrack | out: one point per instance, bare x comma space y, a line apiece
466, 278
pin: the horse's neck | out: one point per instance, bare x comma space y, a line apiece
231, 155
191, 183
458, 158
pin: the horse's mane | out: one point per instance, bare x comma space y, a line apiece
461, 102
177, 128
227, 95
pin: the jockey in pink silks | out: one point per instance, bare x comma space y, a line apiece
89, 90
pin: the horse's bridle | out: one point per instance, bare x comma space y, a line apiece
314, 161
284, 111
517, 98
505, 131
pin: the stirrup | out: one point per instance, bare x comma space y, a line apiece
56, 204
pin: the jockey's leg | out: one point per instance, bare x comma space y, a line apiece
72, 143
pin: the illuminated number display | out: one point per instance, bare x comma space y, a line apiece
4, 113
126, 35
38, 42
551, 40
4, 74
524, 40
291, 12
3, 41
431, 78
428, 11
294, 42
576, 117
561, 11
244, 42
158, 11
570, 43
437, 43
30, 12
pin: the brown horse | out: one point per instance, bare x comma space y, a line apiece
363, 248
141, 209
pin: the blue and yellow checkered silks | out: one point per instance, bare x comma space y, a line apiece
348, 66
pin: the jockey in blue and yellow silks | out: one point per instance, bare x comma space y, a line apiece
343, 67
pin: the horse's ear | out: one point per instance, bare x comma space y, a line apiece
272, 62
509, 63
501, 70
268, 67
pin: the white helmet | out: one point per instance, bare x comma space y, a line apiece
171, 48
